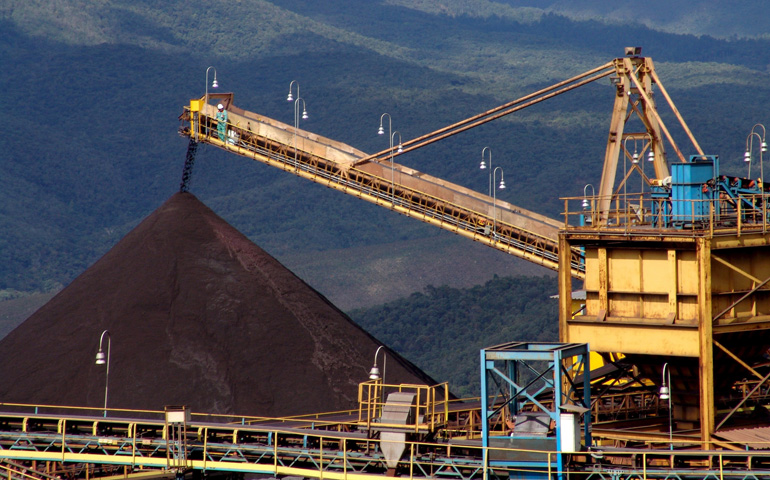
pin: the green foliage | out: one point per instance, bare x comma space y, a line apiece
443, 329
97, 85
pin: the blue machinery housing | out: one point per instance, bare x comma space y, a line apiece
698, 195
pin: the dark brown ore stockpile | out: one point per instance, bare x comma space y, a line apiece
198, 315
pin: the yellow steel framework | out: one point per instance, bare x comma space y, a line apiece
684, 297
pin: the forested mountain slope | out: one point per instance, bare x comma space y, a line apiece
93, 90
442, 329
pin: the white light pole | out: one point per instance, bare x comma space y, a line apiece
483, 166
374, 373
635, 156
762, 150
586, 202
296, 121
214, 84
392, 169
494, 197
665, 394
101, 360
381, 131
290, 98
651, 152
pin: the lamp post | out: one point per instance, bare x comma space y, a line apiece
635, 156
374, 373
381, 131
289, 98
101, 359
762, 150
483, 166
665, 394
296, 120
392, 169
587, 204
494, 197
214, 84
651, 152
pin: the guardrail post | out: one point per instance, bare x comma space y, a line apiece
411, 460
721, 471
275, 452
566, 213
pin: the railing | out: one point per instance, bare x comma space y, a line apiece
649, 212
332, 455
431, 405
616, 406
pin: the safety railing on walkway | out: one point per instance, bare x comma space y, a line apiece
430, 406
355, 456
651, 213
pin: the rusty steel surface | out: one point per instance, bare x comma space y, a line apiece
496, 223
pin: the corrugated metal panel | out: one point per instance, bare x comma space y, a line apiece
755, 438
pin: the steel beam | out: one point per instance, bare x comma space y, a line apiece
706, 354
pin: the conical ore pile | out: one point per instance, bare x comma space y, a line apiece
197, 315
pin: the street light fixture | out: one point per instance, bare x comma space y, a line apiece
296, 120
635, 156
392, 168
101, 359
214, 84
290, 98
381, 131
651, 152
586, 202
665, 394
494, 197
762, 150
483, 166
374, 373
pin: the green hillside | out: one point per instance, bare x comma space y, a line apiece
93, 90
442, 329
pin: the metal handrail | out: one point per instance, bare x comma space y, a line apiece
446, 214
638, 212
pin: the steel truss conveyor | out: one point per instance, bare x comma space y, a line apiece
142, 446
379, 180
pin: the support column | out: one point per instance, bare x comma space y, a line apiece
705, 334
673, 286
565, 288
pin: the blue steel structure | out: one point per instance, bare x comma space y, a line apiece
537, 384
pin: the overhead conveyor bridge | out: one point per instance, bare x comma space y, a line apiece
485, 219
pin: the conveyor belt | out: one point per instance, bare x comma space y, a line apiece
498, 224
142, 444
